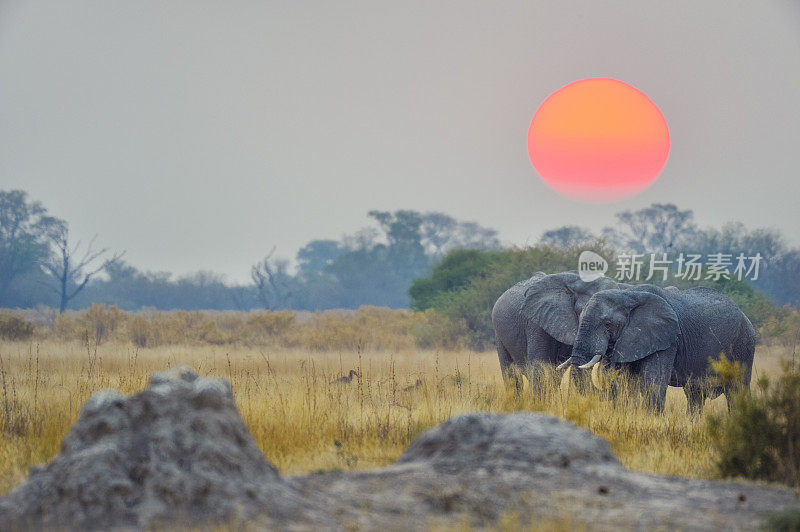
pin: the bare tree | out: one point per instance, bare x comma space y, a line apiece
272, 281
70, 273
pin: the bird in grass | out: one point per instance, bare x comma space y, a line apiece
346, 378
413, 386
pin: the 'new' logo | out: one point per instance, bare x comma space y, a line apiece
591, 266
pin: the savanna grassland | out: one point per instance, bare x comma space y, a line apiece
303, 422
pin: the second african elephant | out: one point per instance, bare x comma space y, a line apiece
666, 337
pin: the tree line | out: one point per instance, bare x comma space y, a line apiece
403, 259
40, 265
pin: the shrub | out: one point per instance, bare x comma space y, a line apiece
100, 322
97, 324
13, 327
435, 330
760, 438
139, 331
272, 323
784, 332
169, 328
376, 328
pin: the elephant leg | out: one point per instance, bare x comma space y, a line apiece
655, 372
504, 357
510, 372
615, 387
541, 351
695, 396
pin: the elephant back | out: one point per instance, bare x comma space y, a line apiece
508, 306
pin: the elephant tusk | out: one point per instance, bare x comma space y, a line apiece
592, 362
596, 378
566, 380
566, 363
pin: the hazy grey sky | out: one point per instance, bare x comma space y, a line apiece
198, 135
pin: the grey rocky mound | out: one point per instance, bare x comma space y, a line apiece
534, 470
496, 442
179, 453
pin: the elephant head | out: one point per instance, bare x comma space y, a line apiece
556, 301
623, 326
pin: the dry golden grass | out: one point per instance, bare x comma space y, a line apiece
304, 423
376, 328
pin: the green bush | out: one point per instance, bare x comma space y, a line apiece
13, 327
456, 270
464, 285
469, 301
760, 437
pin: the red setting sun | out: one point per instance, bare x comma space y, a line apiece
598, 140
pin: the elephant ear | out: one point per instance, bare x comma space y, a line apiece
652, 326
551, 304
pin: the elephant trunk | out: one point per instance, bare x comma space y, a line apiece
591, 344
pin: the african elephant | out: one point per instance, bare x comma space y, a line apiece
536, 320
666, 337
